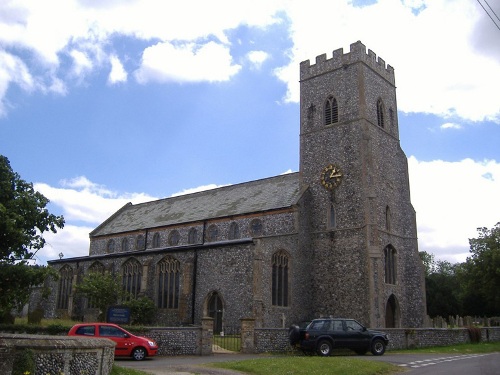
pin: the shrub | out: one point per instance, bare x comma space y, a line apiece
142, 310
24, 363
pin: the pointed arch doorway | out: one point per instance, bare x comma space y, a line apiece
391, 312
215, 310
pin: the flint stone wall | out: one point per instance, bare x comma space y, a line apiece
58, 354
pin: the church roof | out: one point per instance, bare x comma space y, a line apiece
245, 198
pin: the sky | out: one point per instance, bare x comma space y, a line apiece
108, 102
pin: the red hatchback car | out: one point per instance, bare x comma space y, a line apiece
127, 344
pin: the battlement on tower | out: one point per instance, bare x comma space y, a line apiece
341, 59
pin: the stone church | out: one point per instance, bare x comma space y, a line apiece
338, 238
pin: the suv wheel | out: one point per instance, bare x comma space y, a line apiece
377, 347
324, 348
139, 354
294, 334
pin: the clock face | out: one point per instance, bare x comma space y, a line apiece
331, 177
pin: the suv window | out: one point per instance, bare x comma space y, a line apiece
353, 325
86, 330
318, 325
337, 325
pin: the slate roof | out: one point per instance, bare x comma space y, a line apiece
245, 198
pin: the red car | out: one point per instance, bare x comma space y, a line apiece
127, 344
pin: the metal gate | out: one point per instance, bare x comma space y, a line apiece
228, 340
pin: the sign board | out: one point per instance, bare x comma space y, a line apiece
118, 315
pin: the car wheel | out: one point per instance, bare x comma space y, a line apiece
139, 354
294, 334
377, 347
324, 348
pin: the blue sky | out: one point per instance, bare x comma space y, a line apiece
108, 102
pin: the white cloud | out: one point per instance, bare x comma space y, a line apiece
257, 58
186, 63
197, 189
451, 125
118, 73
453, 199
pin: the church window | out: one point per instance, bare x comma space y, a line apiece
390, 265
280, 279
65, 286
131, 278
391, 118
192, 236
110, 246
140, 243
234, 231
125, 244
331, 217
331, 111
173, 238
380, 113
168, 283
98, 268
156, 240
212, 233
256, 227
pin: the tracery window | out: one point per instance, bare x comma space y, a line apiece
331, 111
168, 283
65, 286
280, 279
390, 265
212, 233
174, 237
131, 278
234, 231
156, 240
380, 113
192, 236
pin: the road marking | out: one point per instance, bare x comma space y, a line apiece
436, 361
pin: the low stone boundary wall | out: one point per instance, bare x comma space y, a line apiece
58, 354
276, 339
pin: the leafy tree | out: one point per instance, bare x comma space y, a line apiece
429, 262
102, 289
443, 290
142, 310
23, 220
481, 274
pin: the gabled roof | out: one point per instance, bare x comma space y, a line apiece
250, 197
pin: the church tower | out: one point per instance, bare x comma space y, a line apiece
362, 236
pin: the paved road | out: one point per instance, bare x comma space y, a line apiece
414, 364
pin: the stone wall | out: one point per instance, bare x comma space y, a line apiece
58, 354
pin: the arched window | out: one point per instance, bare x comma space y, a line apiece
125, 244
388, 219
156, 240
168, 283
391, 119
140, 244
331, 111
173, 238
131, 278
380, 113
234, 231
192, 236
65, 285
110, 246
212, 233
390, 265
280, 279
98, 268
331, 218
256, 227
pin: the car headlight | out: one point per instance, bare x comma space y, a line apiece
152, 343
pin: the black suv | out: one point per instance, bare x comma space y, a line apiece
322, 335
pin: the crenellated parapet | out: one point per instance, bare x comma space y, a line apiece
340, 59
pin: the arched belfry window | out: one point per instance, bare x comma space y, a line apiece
380, 113
168, 283
65, 286
388, 219
331, 111
280, 278
331, 217
131, 277
390, 265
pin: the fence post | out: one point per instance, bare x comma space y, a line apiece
247, 335
207, 335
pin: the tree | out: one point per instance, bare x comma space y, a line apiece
102, 289
481, 272
443, 290
23, 220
